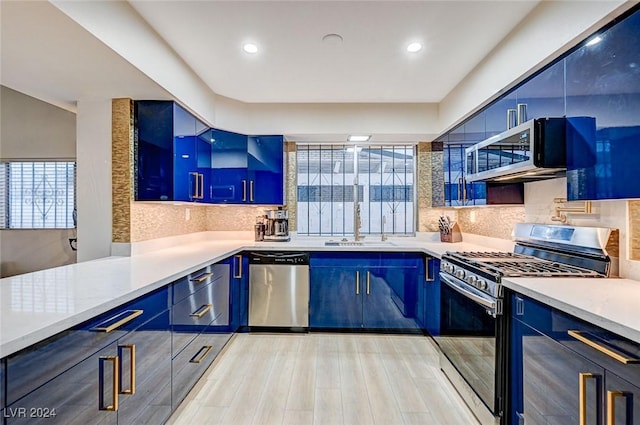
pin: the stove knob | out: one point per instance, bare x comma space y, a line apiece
482, 284
472, 280
460, 274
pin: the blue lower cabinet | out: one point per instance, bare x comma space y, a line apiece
127, 380
238, 291
564, 370
189, 365
335, 297
374, 291
427, 310
85, 393
144, 365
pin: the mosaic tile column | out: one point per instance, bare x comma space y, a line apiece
122, 185
430, 181
291, 183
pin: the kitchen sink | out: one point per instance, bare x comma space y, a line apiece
358, 243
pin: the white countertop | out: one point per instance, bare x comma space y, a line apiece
612, 304
35, 306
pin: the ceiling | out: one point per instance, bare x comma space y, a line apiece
370, 64
47, 55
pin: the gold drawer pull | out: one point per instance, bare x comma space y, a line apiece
196, 359
132, 368
201, 278
357, 283
201, 311
368, 282
580, 336
113, 407
131, 314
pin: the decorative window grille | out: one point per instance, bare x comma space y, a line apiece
37, 195
328, 176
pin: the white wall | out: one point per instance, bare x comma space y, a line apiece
94, 179
32, 129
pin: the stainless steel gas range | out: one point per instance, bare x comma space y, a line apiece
473, 335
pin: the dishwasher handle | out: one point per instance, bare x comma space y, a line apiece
282, 258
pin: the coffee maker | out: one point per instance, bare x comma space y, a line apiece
277, 225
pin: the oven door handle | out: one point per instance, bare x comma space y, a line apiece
483, 301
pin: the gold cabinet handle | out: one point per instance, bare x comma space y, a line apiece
113, 407
251, 190
244, 190
198, 358
201, 311
130, 315
357, 282
428, 277
611, 406
201, 278
581, 336
239, 262
459, 188
583, 395
132, 368
201, 185
368, 281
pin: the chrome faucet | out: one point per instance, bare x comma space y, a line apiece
383, 236
357, 224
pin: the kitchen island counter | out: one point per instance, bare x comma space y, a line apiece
38, 305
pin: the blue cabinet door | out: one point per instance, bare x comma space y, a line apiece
549, 379
154, 148
239, 291
229, 168
266, 172
84, 394
431, 287
389, 297
544, 93
603, 82
335, 297
144, 357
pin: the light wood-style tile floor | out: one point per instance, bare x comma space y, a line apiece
319, 378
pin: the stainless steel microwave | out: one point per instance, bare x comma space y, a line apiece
531, 151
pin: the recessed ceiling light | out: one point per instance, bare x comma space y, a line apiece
595, 40
355, 138
414, 47
250, 48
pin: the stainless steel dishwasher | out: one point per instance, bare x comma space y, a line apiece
279, 289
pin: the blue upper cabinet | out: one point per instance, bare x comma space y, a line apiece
179, 158
603, 82
543, 95
154, 150
192, 157
247, 169
459, 192
266, 165
170, 153
496, 114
